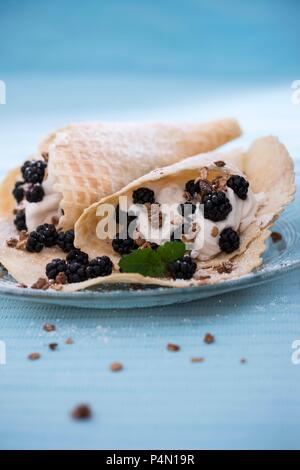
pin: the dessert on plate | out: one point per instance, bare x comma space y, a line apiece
84, 215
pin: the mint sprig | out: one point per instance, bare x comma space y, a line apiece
150, 262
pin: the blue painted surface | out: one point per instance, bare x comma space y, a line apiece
151, 60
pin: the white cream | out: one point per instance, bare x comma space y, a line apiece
206, 246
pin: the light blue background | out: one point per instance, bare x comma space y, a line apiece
190, 60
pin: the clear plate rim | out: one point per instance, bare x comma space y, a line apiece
248, 280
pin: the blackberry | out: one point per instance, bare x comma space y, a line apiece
77, 256
239, 186
35, 194
20, 220
229, 240
18, 191
48, 234
100, 266
65, 240
76, 272
34, 171
143, 195
187, 209
191, 188
153, 246
123, 246
34, 242
216, 206
55, 267
183, 268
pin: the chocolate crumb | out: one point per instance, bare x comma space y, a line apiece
22, 286
219, 183
12, 242
203, 278
45, 156
276, 237
173, 347
69, 341
197, 359
21, 244
49, 327
243, 360
209, 338
41, 283
82, 411
53, 346
34, 356
203, 173
23, 235
219, 163
56, 287
116, 367
61, 278
214, 232
226, 267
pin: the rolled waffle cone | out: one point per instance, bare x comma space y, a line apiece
89, 161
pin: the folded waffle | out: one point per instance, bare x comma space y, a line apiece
88, 161
268, 170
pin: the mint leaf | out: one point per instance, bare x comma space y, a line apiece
171, 251
146, 262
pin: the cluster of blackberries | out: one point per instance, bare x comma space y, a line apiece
183, 268
229, 240
33, 172
78, 268
46, 235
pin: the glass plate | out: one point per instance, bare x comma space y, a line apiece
278, 258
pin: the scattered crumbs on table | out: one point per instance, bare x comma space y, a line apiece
276, 237
82, 411
209, 338
197, 359
173, 347
53, 346
243, 360
69, 341
116, 367
49, 327
34, 356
